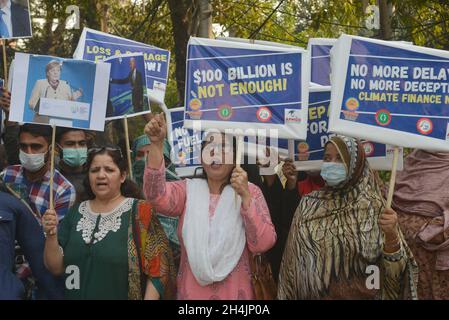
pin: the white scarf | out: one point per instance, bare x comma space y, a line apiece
213, 245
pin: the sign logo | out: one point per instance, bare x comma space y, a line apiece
195, 104
352, 104
263, 114
369, 148
292, 115
383, 117
181, 158
303, 151
225, 112
424, 126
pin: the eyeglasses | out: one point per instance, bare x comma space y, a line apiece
100, 149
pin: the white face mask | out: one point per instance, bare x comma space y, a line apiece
32, 162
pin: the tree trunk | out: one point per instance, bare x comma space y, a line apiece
205, 19
181, 21
102, 9
385, 11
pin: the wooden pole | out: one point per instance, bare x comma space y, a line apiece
393, 177
52, 166
238, 158
128, 149
291, 149
5, 65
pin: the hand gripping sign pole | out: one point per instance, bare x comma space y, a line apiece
128, 149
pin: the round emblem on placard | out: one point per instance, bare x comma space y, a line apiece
263, 114
225, 112
352, 104
424, 126
369, 148
195, 104
383, 117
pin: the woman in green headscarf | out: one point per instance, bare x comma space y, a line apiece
343, 243
140, 153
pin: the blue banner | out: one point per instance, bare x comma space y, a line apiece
398, 87
97, 46
320, 60
232, 84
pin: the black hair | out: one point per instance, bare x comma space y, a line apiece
60, 131
37, 130
128, 188
204, 143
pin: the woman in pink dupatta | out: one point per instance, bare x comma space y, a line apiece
421, 200
223, 219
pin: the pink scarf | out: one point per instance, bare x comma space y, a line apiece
423, 189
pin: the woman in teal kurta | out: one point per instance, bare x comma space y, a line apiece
114, 244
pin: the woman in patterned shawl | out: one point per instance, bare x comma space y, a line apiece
112, 246
421, 200
343, 243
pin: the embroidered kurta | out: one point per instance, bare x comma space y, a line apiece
114, 255
102, 263
170, 198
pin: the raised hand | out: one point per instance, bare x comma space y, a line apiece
156, 129
77, 94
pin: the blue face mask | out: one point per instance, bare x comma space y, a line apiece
74, 157
333, 173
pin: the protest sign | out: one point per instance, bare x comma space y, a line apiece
390, 92
127, 88
18, 21
320, 61
97, 46
185, 143
60, 92
236, 85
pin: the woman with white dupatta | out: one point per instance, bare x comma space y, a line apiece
223, 218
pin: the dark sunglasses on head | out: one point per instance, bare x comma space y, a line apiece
100, 149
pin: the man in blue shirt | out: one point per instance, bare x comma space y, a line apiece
14, 20
17, 223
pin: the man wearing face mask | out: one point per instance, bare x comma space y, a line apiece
30, 180
72, 145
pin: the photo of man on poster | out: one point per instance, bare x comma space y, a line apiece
135, 79
14, 19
